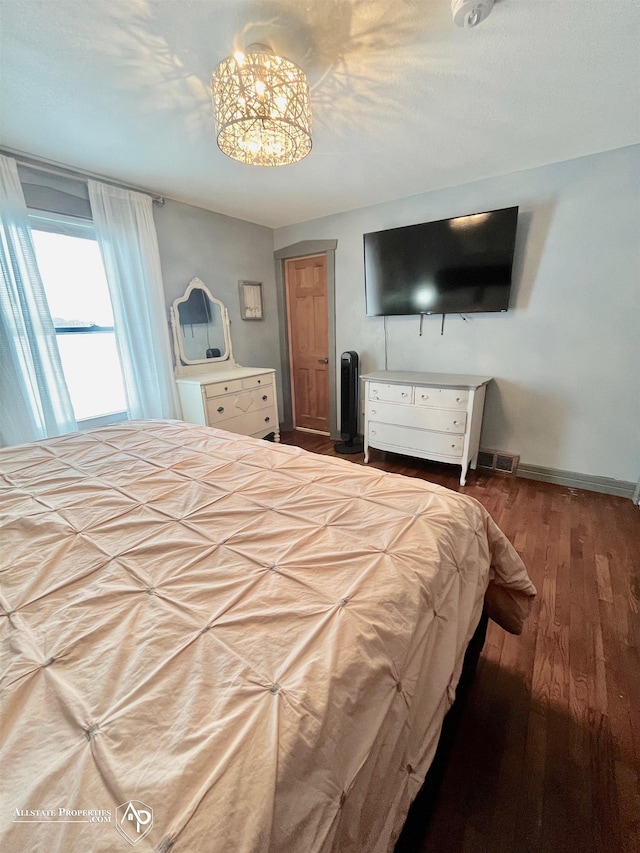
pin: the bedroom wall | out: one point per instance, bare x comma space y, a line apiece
565, 357
221, 251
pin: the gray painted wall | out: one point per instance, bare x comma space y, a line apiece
221, 251
566, 356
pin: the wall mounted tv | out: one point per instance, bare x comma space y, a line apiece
454, 266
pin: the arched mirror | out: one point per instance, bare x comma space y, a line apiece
200, 327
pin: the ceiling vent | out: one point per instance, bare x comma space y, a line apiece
496, 460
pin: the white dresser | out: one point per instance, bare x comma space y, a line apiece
238, 399
429, 415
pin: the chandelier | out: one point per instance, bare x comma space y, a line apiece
261, 108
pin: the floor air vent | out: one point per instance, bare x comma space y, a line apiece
495, 460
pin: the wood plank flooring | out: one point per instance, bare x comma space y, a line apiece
547, 753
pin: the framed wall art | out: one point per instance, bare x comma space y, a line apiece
251, 305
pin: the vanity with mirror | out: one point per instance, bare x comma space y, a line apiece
214, 390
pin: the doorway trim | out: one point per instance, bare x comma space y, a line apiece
302, 250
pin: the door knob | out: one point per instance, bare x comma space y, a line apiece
323, 361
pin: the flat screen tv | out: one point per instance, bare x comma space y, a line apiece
454, 266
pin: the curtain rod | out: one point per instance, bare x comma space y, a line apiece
60, 169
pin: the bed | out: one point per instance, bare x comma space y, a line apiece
212, 642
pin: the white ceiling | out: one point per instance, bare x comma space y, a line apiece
403, 101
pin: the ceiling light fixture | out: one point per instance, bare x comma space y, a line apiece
469, 13
261, 108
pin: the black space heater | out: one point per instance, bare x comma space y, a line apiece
349, 397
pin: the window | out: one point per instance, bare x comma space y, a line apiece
73, 276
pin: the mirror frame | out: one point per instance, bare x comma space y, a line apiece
181, 358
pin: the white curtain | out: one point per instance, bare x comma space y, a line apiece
34, 399
126, 233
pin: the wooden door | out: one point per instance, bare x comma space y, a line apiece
306, 288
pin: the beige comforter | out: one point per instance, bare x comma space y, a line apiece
254, 644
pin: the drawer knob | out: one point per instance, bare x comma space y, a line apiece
264, 397
373, 432
220, 409
374, 412
226, 387
259, 381
458, 399
267, 419
425, 396
404, 394
455, 423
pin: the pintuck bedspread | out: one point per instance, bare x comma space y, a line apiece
214, 643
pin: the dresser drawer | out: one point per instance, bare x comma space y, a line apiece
264, 380
441, 398
263, 397
419, 417
249, 401
406, 439
251, 423
215, 389
390, 393
220, 409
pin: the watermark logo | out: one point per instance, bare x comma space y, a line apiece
134, 820
62, 815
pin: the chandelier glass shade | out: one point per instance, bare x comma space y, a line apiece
261, 108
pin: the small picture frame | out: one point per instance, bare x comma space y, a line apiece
251, 305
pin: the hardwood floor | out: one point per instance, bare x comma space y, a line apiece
547, 752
